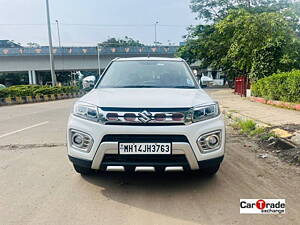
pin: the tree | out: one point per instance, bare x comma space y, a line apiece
126, 42
259, 44
244, 43
215, 10
189, 51
195, 46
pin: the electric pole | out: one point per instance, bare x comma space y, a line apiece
53, 75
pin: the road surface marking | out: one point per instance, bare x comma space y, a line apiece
26, 128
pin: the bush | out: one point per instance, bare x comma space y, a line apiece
283, 87
32, 90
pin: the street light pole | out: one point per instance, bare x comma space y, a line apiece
59, 44
58, 33
53, 76
155, 33
98, 54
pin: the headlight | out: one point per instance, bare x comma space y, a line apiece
86, 111
206, 112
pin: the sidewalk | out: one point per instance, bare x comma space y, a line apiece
257, 111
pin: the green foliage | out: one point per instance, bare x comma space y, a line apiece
257, 131
244, 43
260, 44
267, 135
127, 41
189, 52
32, 90
216, 10
248, 127
282, 87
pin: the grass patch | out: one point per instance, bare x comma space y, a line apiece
267, 136
248, 127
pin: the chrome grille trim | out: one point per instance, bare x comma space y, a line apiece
146, 116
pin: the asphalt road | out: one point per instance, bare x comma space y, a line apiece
38, 184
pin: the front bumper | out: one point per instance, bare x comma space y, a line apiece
104, 149
130, 167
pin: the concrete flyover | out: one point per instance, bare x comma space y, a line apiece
72, 58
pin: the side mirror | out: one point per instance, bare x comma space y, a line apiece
88, 82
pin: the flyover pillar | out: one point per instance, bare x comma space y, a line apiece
33, 74
30, 76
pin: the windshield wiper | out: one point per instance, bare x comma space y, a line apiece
187, 87
149, 86
138, 86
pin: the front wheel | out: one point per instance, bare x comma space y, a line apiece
83, 170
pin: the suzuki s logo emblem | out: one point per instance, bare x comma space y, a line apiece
145, 116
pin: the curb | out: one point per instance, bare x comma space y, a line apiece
281, 104
291, 138
39, 98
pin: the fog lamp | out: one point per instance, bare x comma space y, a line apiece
81, 141
210, 141
78, 139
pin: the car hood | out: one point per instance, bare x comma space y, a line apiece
146, 97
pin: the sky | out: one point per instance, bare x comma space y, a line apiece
87, 22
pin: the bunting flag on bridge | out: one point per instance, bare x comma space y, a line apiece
38, 50
88, 50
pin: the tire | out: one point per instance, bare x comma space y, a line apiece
211, 171
83, 170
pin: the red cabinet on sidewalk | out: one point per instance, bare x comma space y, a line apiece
242, 83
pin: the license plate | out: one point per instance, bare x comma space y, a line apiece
144, 148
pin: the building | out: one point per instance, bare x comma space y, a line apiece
218, 77
9, 44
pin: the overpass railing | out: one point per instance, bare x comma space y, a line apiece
73, 51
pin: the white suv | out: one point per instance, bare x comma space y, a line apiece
146, 114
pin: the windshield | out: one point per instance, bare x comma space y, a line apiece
147, 74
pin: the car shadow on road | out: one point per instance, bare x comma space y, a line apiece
177, 195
